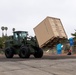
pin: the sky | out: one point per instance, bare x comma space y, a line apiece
27, 14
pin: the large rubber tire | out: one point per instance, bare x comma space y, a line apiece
24, 52
9, 53
38, 53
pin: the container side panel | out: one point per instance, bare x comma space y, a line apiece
42, 33
49, 28
60, 28
54, 27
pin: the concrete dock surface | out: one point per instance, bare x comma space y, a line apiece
47, 65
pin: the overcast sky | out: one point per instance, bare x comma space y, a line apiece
26, 14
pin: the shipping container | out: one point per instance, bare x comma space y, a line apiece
49, 31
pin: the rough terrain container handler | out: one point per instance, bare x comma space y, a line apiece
22, 45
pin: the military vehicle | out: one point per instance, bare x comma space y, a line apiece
22, 45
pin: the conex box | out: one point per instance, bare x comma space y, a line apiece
48, 30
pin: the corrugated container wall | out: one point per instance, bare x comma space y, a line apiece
49, 28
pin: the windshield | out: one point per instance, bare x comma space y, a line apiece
20, 35
23, 35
